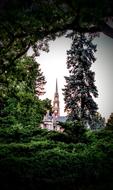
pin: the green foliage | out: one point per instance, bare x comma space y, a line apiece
48, 106
24, 23
26, 109
97, 122
19, 133
39, 158
75, 130
109, 124
19, 98
58, 137
58, 165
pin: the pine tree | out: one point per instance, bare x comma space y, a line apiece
80, 88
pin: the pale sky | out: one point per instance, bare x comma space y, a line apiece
53, 65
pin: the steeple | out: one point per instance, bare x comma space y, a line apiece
56, 87
56, 103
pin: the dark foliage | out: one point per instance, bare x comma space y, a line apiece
52, 164
109, 124
80, 88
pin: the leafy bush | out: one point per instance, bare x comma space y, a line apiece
75, 130
20, 133
48, 163
47, 159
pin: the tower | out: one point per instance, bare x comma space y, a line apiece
56, 103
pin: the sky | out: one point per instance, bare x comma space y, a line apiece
53, 65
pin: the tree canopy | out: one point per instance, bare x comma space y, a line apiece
22, 23
22, 84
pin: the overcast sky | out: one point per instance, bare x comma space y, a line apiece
53, 65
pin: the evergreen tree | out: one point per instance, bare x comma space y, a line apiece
80, 88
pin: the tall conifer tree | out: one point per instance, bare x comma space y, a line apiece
80, 88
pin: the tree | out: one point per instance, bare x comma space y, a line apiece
29, 23
98, 122
109, 124
23, 84
31, 74
80, 88
23, 23
75, 131
47, 105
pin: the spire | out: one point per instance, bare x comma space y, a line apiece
56, 108
56, 87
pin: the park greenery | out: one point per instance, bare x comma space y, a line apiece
31, 158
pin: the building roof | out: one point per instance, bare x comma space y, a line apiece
53, 118
61, 118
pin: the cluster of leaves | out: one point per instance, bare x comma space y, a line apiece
42, 162
109, 124
34, 158
97, 122
75, 130
22, 84
25, 24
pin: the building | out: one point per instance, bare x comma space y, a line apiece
51, 122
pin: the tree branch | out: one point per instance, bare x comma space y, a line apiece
107, 30
21, 53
